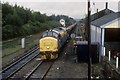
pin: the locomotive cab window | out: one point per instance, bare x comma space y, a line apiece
44, 34
50, 34
55, 34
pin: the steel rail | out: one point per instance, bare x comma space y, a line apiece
42, 78
33, 70
29, 52
13, 68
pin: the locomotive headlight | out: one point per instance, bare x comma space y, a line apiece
47, 47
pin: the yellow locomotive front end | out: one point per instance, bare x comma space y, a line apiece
48, 48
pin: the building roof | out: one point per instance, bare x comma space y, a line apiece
101, 14
105, 19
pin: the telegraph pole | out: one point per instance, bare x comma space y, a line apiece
89, 41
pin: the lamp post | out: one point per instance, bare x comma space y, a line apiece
89, 41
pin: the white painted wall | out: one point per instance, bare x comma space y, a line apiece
96, 37
95, 34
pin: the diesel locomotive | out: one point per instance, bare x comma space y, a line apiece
53, 40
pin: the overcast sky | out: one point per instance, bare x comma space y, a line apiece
73, 8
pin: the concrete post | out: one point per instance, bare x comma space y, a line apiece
23, 42
104, 52
109, 55
117, 62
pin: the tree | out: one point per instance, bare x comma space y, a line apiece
19, 21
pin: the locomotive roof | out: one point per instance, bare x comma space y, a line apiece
59, 29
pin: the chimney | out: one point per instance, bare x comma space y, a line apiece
106, 5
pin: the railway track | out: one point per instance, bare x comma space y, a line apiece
27, 53
38, 72
42, 65
40, 69
32, 71
17, 65
19, 57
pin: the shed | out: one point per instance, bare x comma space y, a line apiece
106, 29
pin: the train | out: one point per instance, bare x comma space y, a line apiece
52, 41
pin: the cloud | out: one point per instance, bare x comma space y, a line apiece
71, 8
58, 0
